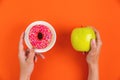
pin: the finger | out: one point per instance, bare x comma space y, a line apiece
35, 58
93, 47
31, 55
98, 37
27, 52
41, 55
99, 41
21, 47
96, 31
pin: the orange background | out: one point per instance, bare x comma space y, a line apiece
62, 62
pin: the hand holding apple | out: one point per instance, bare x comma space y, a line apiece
81, 37
93, 55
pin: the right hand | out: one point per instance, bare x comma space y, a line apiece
26, 58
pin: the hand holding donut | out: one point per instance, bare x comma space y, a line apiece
26, 58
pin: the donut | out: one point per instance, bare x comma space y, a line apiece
40, 36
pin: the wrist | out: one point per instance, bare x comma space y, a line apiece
93, 66
93, 72
24, 76
93, 63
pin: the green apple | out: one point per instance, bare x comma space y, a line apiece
81, 38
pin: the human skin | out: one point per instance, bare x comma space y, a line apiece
93, 57
27, 61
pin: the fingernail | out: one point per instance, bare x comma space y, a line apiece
93, 41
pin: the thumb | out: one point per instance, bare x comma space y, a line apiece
93, 46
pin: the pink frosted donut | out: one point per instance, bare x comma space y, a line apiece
40, 36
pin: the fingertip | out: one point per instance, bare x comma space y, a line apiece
35, 59
21, 38
42, 56
93, 28
93, 43
21, 45
22, 35
31, 53
32, 50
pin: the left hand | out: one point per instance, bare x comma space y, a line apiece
93, 55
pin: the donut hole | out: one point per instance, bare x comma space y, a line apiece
40, 36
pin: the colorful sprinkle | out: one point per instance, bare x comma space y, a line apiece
40, 36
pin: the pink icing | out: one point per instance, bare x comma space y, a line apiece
35, 40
